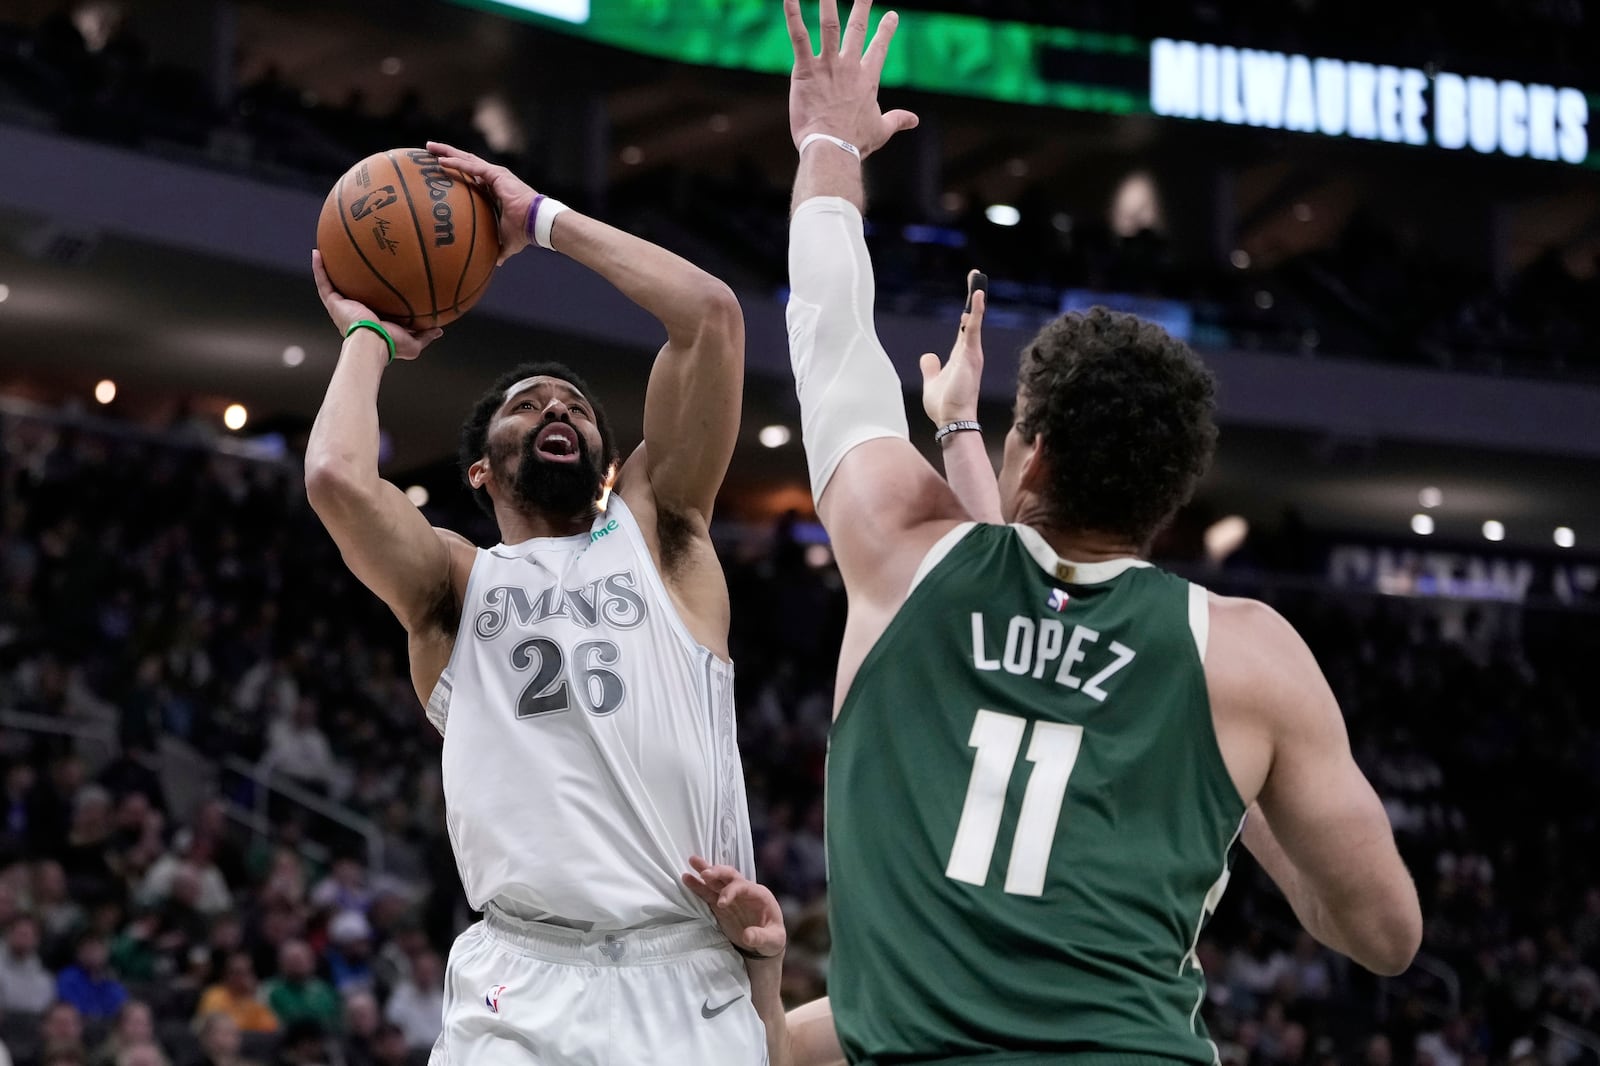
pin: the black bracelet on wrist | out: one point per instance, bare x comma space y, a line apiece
754, 954
955, 427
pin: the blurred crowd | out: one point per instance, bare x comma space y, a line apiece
170, 599
1370, 292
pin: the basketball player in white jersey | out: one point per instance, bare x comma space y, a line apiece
579, 674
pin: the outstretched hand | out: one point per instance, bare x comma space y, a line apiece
747, 913
836, 92
950, 393
345, 312
513, 197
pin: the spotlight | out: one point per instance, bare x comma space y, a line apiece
1565, 537
418, 495
105, 391
235, 416
1422, 524
294, 355
774, 436
1002, 215
1493, 530
1430, 497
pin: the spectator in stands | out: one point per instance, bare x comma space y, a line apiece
238, 996
345, 888
298, 749
88, 984
417, 1004
61, 1030
305, 1043
19, 784
26, 987
190, 860
297, 994
362, 1020
390, 1048
349, 952
219, 1040
86, 859
135, 1027
59, 916
146, 1054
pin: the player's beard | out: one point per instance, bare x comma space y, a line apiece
557, 488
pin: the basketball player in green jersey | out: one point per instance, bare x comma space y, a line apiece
1044, 747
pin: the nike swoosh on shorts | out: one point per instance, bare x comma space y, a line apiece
707, 1011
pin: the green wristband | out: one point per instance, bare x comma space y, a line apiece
367, 323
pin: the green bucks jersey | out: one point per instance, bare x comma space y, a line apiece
1029, 818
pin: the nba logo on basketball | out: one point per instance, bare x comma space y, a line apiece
491, 998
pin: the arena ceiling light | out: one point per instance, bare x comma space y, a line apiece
294, 355
105, 391
1422, 524
1430, 497
1002, 215
235, 416
5, 293
418, 495
1565, 537
774, 436
1495, 531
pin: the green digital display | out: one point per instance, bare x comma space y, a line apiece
935, 52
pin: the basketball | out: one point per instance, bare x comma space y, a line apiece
413, 240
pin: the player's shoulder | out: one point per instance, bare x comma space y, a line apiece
454, 541
1253, 651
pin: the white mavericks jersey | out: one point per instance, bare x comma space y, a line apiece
589, 742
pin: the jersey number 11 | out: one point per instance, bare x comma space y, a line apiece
1053, 752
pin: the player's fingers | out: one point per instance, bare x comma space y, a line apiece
799, 36
698, 887
878, 51
698, 865
829, 11
929, 364
324, 286
898, 121
855, 33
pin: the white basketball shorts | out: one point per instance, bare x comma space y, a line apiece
528, 994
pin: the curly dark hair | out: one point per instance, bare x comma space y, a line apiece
474, 441
1126, 416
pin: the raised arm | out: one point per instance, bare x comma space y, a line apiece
1318, 829
950, 399
882, 504
385, 540
691, 416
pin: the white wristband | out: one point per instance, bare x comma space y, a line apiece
843, 144
545, 210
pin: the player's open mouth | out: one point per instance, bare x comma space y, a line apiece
557, 442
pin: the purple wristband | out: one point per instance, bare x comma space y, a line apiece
533, 218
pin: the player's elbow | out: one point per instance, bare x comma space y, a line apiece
719, 309
1395, 939
331, 483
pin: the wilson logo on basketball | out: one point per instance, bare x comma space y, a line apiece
439, 185
376, 200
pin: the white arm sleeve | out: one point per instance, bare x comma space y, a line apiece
849, 391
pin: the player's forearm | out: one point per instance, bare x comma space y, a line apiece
828, 170
766, 993
1378, 925
343, 446
813, 1040
971, 476
682, 297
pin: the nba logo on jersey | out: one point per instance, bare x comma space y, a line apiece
1058, 600
491, 998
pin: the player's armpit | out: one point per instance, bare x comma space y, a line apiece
813, 1040
1326, 840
